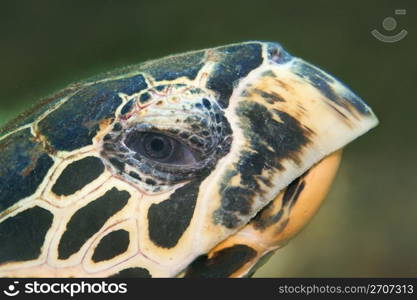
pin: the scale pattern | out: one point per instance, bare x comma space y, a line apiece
77, 198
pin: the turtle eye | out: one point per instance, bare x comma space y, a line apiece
160, 148
157, 146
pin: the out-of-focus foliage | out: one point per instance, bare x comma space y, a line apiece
367, 226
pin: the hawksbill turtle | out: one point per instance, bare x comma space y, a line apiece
200, 164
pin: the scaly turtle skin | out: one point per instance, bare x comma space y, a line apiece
199, 164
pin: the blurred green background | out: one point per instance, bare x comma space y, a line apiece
368, 223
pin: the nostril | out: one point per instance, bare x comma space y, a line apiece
277, 54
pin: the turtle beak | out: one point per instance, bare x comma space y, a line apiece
331, 88
291, 121
323, 87
286, 116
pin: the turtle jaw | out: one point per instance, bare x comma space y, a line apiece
286, 116
284, 217
299, 202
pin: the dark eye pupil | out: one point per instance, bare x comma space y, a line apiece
157, 146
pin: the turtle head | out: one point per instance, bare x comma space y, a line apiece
226, 151
212, 147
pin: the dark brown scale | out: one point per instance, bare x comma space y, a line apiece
185, 135
77, 175
135, 175
204, 123
197, 141
195, 127
123, 149
109, 147
117, 127
119, 165
217, 116
150, 181
107, 137
222, 264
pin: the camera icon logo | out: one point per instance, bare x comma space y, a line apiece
389, 24
11, 290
